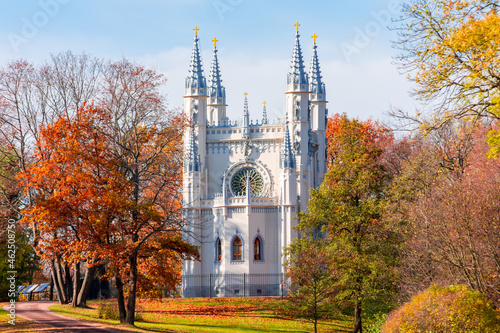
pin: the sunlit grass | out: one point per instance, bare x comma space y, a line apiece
209, 315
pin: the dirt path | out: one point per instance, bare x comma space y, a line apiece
38, 311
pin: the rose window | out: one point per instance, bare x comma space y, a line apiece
247, 176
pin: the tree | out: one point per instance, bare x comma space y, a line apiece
32, 97
79, 191
90, 207
452, 216
146, 142
309, 267
348, 209
450, 49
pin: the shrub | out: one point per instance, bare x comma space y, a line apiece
445, 309
108, 310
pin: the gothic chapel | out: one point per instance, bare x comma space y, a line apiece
245, 181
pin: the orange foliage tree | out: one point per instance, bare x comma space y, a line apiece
97, 204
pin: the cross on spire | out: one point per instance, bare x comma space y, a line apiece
264, 103
196, 30
314, 38
297, 25
215, 40
246, 94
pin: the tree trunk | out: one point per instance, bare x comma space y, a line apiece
58, 282
357, 316
87, 283
51, 293
68, 286
132, 290
121, 301
76, 284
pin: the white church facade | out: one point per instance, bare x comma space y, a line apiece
245, 181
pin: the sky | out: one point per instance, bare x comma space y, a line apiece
256, 39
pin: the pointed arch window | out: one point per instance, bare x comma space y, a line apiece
218, 250
237, 249
257, 249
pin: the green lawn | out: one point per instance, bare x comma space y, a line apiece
231, 315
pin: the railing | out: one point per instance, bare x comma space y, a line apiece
233, 285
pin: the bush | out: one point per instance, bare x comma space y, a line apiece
108, 310
445, 309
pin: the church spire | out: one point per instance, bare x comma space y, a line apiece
216, 91
264, 114
317, 87
246, 117
193, 159
297, 77
196, 82
287, 158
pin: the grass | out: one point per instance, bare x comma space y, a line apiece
22, 325
231, 315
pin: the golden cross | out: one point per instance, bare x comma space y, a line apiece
297, 25
196, 30
314, 37
264, 103
246, 94
215, 41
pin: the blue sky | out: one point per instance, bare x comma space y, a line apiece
255, 44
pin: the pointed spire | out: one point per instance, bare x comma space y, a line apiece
196, 81
265, 121
246, 117
297, 75
287, 157
216, 91
193, 158
317, 87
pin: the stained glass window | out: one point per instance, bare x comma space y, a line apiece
244, 176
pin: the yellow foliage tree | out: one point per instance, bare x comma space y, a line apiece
451, 50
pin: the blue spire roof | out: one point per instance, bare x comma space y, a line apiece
216, 91
265, 121
317, 86
297, 73
196, 78
287, 157
193, 159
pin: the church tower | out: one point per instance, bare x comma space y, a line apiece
195, 110
245, 181
297, 113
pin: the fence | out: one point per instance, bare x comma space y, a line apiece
233, 285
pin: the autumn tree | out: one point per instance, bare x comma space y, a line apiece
450, 49
451, 217
87, 210
141, 134
80, 192
348, 209
32, 97
313, 281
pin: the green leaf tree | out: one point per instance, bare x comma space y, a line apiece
348, 208
309, 267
